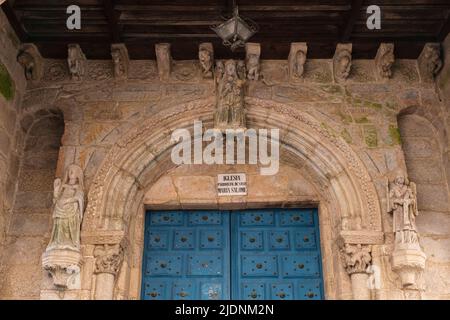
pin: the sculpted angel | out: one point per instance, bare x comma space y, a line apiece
403, 206
68, 199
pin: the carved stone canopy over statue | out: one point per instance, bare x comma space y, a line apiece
77, 62
230, 112
403, 206
68, 199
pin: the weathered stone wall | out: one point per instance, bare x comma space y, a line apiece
99, 110
12, 88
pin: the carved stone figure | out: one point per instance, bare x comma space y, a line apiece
384, 60
206, 58
163, 60
297, 60
342, 61
68, 198
77, 62
31, 61
219, 71
253, 67
253, 52
230, 113
241, 70
356, 257
429, 61
120, 59
403, 206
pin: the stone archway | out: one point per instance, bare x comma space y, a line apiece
349, 206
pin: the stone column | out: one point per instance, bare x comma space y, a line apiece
108, 260
357, 259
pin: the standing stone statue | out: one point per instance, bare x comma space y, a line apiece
68, 198
230, 113
403, 206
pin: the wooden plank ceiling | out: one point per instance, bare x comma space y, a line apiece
186, 23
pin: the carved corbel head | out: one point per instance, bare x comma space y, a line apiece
121, 60
31, 61
297, 60
206, 58
252, 55
384, 60
76, 61
342, 61
163, 60
430, 62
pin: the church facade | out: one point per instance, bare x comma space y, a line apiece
93, 205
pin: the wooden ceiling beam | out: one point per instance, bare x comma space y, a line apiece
113, 18
445, 29
352, 17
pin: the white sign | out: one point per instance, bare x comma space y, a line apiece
233, 184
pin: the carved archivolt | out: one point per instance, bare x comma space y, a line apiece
142, 146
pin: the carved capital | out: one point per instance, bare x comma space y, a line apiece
108, 258
342, 61
63, 266
31, 61
384, 60
356, 257
430, 62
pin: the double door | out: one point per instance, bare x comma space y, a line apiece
266, 254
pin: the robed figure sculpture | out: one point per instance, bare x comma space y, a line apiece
230, 111
68, 199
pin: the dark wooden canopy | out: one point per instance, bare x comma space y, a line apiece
186, 23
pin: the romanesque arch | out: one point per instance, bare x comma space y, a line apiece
349, 206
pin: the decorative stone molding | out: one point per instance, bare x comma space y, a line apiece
120, 60
252, 55
108, 258
77, 62
163, 60
384, 60
297, 60
430, 62
64, 268
342, 61
31, 61
206, 58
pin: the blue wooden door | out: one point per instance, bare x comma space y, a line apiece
276, 255
186, 256
273, 254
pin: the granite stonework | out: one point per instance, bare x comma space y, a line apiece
348, 127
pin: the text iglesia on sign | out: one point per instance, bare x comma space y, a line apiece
232, 184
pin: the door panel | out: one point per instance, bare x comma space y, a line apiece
273, 254
280, 248
186, 255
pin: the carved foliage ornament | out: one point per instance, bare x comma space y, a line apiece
108, 258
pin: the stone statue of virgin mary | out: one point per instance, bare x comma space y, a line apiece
68, 199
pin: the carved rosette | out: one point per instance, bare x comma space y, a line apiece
108, 258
